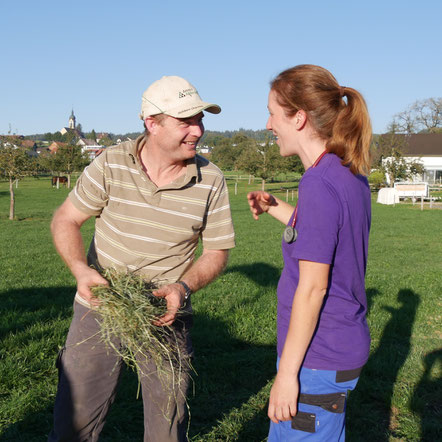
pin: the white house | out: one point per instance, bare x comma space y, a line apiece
428, 149
89, 146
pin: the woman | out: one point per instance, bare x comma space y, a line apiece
323, 338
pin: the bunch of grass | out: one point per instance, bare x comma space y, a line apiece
128, 309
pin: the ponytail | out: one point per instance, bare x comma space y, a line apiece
351, 134
344, 125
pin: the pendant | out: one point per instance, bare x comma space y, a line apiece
290, 234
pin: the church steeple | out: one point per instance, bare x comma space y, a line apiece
72, 120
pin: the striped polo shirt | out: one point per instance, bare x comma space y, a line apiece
149, 229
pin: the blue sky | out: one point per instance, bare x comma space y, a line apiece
98, 56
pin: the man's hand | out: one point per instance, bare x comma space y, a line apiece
260, 202
283, 398
87, 278
174, 294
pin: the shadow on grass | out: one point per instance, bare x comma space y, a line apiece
370, 415
22, 308
427, 398
230, 372
261, 273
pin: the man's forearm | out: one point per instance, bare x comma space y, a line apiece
69, 244
65, 228
206, 268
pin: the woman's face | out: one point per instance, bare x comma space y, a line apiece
283, 127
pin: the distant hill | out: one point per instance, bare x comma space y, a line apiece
210, 136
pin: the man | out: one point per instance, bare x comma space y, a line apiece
153, 198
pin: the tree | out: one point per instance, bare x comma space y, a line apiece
106, 141
293, 164
92, 135
263, 161
72, 159
15, 163
66, 160
421, 116
376, 179
226, 153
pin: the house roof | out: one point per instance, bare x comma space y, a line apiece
87, 142
55, 145
423, 144
28, 143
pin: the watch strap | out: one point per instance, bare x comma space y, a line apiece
187, 288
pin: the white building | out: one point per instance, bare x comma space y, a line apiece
426, 149
89, 146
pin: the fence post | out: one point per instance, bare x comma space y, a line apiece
431, 202
422, 203
292, 194
287, 195
236, 187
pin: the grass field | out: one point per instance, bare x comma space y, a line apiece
399, 394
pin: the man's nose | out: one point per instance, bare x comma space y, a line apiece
197, 130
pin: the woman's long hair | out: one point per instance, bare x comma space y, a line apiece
343, 123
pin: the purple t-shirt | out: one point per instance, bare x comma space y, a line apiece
333, 223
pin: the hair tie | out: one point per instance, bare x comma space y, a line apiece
341, 91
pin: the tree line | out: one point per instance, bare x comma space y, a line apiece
258, 158
254, 152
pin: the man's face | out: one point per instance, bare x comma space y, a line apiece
177, 138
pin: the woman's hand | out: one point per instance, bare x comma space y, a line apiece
260, 202
283, 398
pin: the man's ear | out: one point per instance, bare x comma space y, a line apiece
151, 125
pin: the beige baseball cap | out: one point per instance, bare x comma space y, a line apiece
174, 96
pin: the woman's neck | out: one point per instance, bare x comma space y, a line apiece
311, 152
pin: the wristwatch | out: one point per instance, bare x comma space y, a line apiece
187, 289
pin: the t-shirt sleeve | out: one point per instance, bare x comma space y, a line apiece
318, 221
90, 193
217, 232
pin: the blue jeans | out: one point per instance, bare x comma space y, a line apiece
324, 421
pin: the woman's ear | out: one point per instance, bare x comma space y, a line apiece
300, 119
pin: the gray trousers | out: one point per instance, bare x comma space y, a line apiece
88, 377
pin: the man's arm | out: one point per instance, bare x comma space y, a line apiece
65, 228
205, 269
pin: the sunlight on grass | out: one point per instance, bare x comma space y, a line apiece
234, 334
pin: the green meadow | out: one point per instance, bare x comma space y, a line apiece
399, 393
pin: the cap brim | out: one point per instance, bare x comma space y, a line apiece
194, 110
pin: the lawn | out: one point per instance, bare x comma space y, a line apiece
399, 394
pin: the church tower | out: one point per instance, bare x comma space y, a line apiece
72, 120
